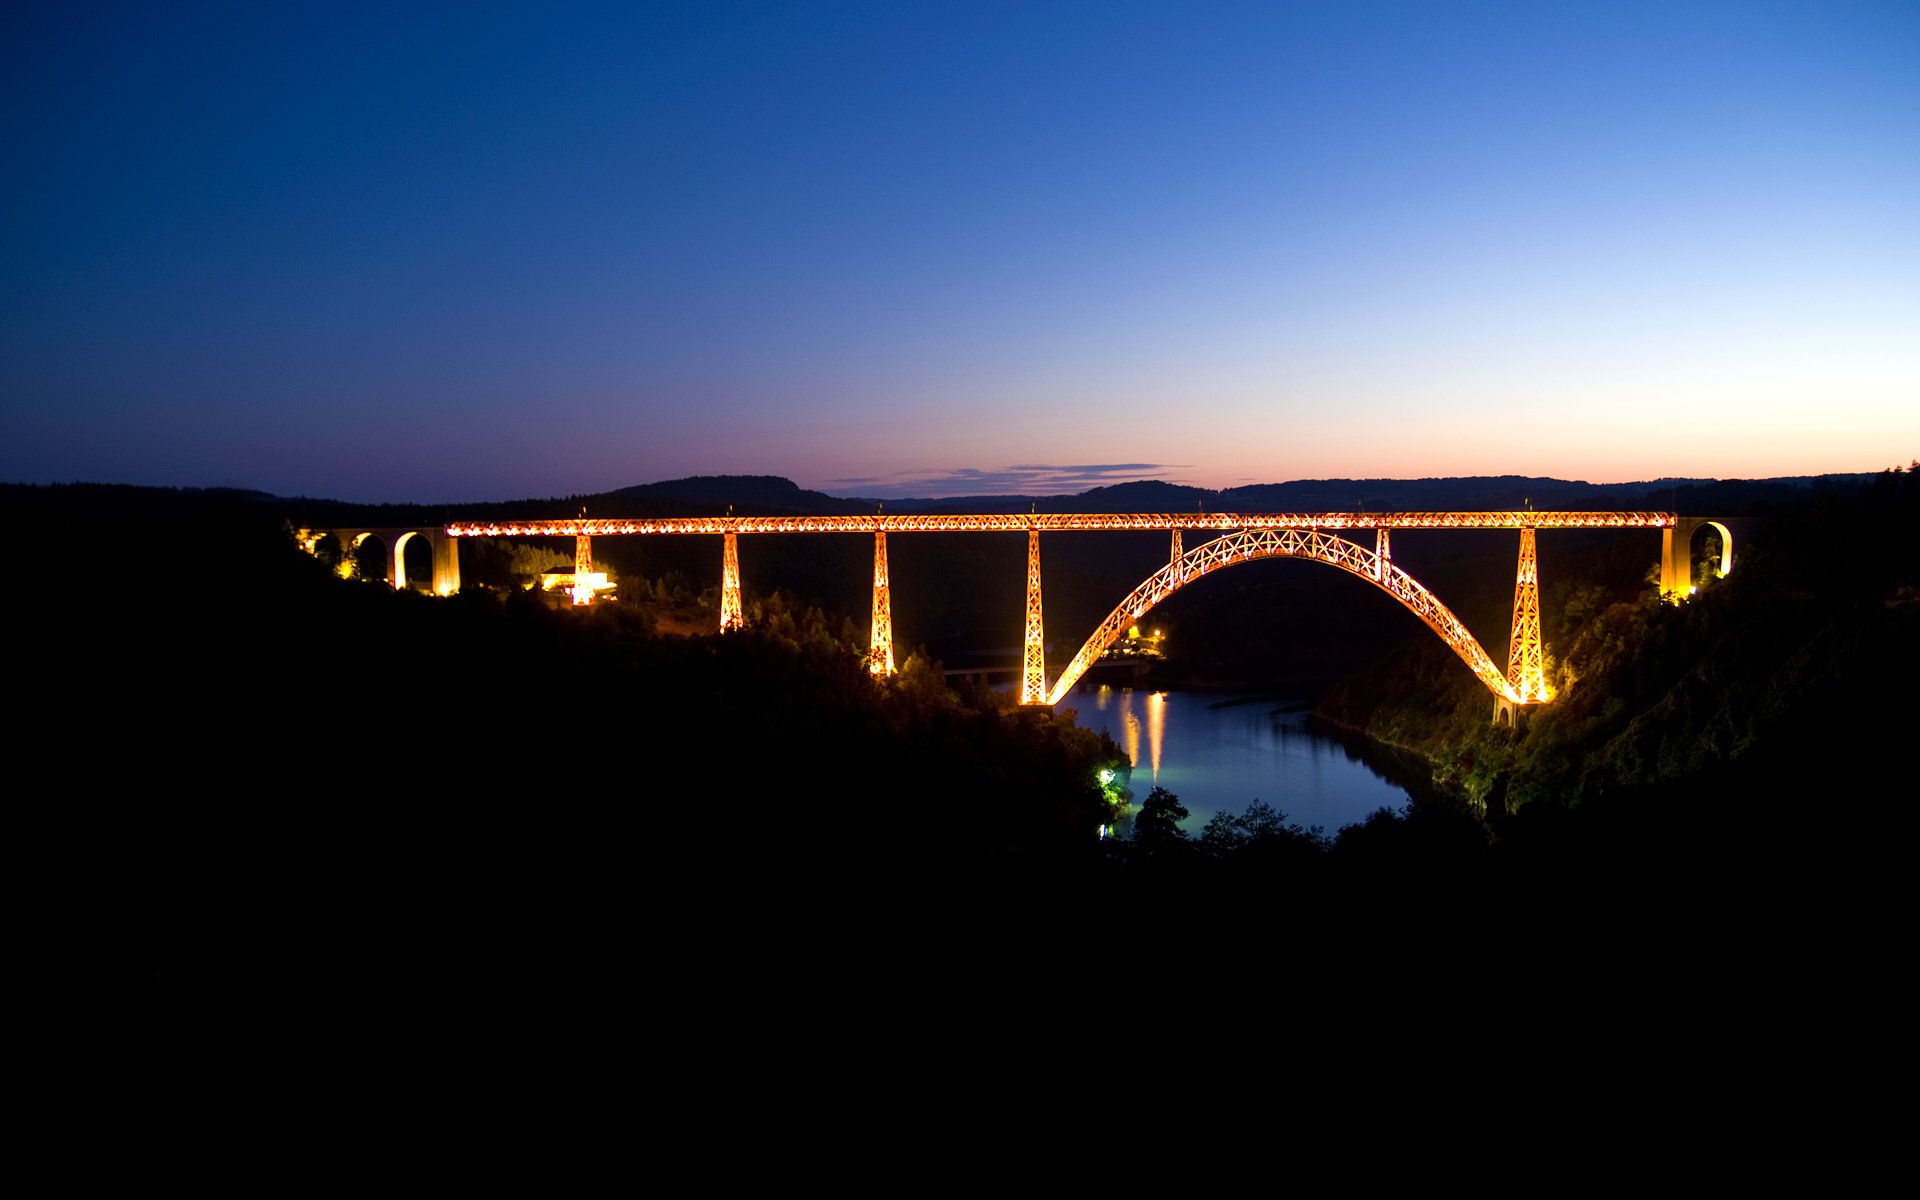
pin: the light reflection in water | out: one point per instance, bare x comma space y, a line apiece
1220, 753
1119, 702
1156, 726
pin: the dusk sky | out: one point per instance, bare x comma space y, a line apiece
424, 252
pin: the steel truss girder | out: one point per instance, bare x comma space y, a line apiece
1247, 545
1057, 522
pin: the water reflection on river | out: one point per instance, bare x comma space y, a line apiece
1220, 752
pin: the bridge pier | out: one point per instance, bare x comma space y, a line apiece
582, 567
731, 616
880, 649
446, 563
1526, 656
1033, 681
1676, 554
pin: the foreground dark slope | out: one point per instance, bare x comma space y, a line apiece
1766, 724
325, 787
301, 782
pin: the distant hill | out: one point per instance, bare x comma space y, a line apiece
1413, 495
772, 495
1406, 495
749, 495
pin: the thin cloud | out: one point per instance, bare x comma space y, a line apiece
1026, 479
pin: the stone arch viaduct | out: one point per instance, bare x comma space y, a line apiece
446, 552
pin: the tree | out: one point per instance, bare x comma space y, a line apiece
528, 563
1262, 833
327, 549
1223, 835
1157, 827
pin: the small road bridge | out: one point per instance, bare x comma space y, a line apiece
1240, 537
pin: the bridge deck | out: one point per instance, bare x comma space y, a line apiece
1022, 522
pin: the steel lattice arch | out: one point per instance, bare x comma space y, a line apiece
1249, 545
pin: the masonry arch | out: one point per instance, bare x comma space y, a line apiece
366, 555
1676, 553
411, 544
1251, 545
383, 554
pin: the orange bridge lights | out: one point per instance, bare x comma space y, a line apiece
1243, 537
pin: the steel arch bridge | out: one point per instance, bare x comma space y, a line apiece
1245, 537
1249, 545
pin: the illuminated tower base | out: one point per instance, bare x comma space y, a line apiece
880, 655
1526, 657
731, 617
1033, 683
582, 568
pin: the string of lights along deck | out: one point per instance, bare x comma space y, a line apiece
1244, 537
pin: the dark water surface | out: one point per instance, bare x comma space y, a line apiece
1219, 752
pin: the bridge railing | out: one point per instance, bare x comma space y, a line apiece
1052, 522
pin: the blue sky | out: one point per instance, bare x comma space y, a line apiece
471, 251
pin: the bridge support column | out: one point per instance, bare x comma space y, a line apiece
446, 564
1676, 555
582, 567
731, 617
1177, 553
1526, 657
880, 653
1383, 551
1033, 677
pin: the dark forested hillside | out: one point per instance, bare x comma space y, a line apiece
1784, 689
296, 776
306, 780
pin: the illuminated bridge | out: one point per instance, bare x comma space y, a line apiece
1243, 537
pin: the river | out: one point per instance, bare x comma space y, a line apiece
1219, 752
